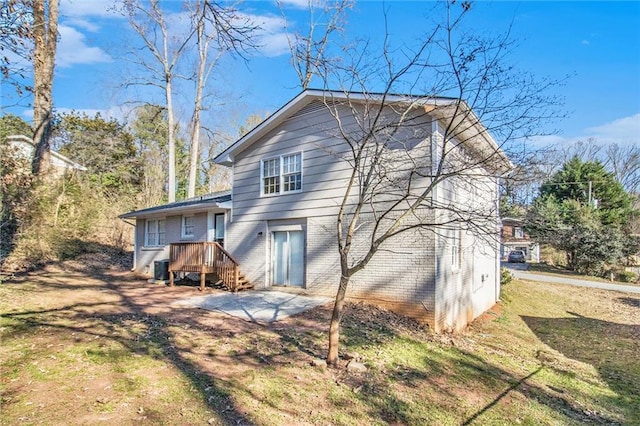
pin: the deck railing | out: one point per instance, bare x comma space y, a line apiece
204, 258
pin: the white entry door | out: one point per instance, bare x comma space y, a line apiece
288, 258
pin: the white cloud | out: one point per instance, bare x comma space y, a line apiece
585, 42
271, 36
84, 24
73, 50
274, 44
300, 4
303, 4
622, 131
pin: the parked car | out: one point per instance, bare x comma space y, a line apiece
516, 256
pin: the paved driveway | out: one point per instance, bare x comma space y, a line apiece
520, 272
256, 306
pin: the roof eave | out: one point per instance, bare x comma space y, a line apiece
226, 157
163, 210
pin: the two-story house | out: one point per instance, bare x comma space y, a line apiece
514, 237
289, 174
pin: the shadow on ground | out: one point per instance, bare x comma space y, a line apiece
610, 347
113, 320
141, 319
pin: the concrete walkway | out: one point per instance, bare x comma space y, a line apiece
256, 306
526, 275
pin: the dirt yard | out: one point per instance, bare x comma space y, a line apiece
85, 343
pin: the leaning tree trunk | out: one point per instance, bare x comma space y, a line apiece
334, 328
45, 36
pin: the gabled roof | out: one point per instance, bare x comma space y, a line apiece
69, 164
189, 205
437, 106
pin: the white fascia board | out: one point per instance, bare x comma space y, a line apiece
178, 210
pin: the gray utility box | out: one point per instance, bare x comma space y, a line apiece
161, 270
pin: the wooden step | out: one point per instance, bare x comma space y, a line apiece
243, 283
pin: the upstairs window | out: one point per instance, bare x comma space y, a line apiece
282, 174
271, 176
154, 233
518, 232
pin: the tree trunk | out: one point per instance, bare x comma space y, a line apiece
195, 151
195, 123
336, 317
45, 36
171, 142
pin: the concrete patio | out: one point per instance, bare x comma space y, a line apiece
256, 306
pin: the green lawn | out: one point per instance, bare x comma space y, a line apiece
543, 268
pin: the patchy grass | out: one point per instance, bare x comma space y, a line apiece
83, 347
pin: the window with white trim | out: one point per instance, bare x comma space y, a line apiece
281, 174
518, 232
455, 250
154, 233
187, 227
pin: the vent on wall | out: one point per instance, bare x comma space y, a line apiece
311, 107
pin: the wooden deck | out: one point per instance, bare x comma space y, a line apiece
206, 258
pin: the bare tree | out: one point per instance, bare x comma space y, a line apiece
309, 51
218, 30
586, 150
166, 48
15, 45
45, 37
624, 162
29, 32
426, 163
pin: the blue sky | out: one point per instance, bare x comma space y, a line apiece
596, 43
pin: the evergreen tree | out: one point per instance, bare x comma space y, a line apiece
583, 211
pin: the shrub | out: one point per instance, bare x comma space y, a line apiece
627, 277
505, 276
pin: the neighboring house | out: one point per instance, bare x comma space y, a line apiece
59, 163
513, 237
279, 221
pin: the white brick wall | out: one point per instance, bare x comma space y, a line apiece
247, 242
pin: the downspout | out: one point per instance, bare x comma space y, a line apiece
437, 279
498, 230
135, 244
498, 279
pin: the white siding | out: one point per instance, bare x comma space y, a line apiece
463, 295
402, 273
146, 256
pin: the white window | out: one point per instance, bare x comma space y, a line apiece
154, 233
518, 232
282, 174
271, 176
187, 227
455, 250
